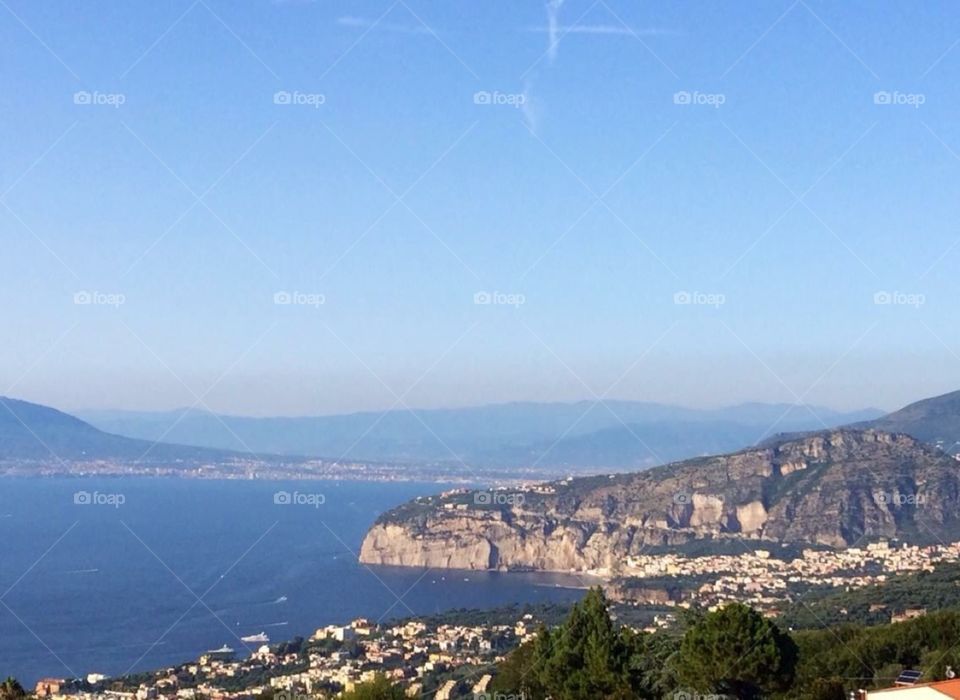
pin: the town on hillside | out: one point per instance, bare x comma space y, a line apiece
447, 659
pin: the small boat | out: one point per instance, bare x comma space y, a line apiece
261, 638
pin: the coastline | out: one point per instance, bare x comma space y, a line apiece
400, 473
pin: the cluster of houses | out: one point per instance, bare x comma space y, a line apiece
447, 661
761, 579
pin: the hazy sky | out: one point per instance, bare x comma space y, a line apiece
183, 166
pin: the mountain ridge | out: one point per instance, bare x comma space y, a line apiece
33, 432
935, 420
832, 488
511, 434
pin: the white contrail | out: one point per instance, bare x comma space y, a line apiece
599, 29
553, 26
529, 108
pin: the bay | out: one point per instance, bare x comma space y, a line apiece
121, 575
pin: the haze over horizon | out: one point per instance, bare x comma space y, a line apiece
610, 400
313, 208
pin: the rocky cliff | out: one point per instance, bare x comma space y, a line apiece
836, 488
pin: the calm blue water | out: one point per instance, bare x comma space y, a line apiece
118, 592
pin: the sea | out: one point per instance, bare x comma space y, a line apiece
121, 575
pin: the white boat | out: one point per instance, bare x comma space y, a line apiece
222, 654
261, 638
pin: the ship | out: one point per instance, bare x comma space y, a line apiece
224, 653
261, 638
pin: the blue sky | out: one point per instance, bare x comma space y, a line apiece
783, 167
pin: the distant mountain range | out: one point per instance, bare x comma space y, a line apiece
32, 432
525, 439
582, 435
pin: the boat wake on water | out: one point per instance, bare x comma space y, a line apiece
258, 604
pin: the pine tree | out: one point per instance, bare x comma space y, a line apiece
11, 689
736, 651
585, 658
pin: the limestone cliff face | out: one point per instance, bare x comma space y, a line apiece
833, 488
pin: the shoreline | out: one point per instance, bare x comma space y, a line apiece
469, 480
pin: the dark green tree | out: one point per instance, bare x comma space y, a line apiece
11, 689
736, 651
585, 658
825, 689
515, 673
